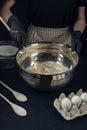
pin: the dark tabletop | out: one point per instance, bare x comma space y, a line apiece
41, 113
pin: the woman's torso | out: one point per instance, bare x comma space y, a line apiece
48, 13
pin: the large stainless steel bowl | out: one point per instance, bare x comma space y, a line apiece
60, 59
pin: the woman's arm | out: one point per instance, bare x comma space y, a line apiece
17, 31
80, 23
5, 11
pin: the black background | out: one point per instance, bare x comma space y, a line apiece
41, 113
4, 35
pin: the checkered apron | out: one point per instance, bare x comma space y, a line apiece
42, 34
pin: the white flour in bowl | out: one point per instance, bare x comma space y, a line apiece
8, 50
54, 68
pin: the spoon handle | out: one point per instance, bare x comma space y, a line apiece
28, 54
6, 86
5, 24
8, 101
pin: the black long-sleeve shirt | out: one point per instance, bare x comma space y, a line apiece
47, 13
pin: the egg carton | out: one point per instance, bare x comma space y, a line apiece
75, 111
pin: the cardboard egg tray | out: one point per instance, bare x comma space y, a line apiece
75, 111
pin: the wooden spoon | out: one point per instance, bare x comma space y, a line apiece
41, 69
16, 108
19, 96
4, 23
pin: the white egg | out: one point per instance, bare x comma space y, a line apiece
66, 104
76, 100
84, 97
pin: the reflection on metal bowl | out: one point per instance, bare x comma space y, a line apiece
8, 52
60, 60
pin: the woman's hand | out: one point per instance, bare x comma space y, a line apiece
75, 41
17, 31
